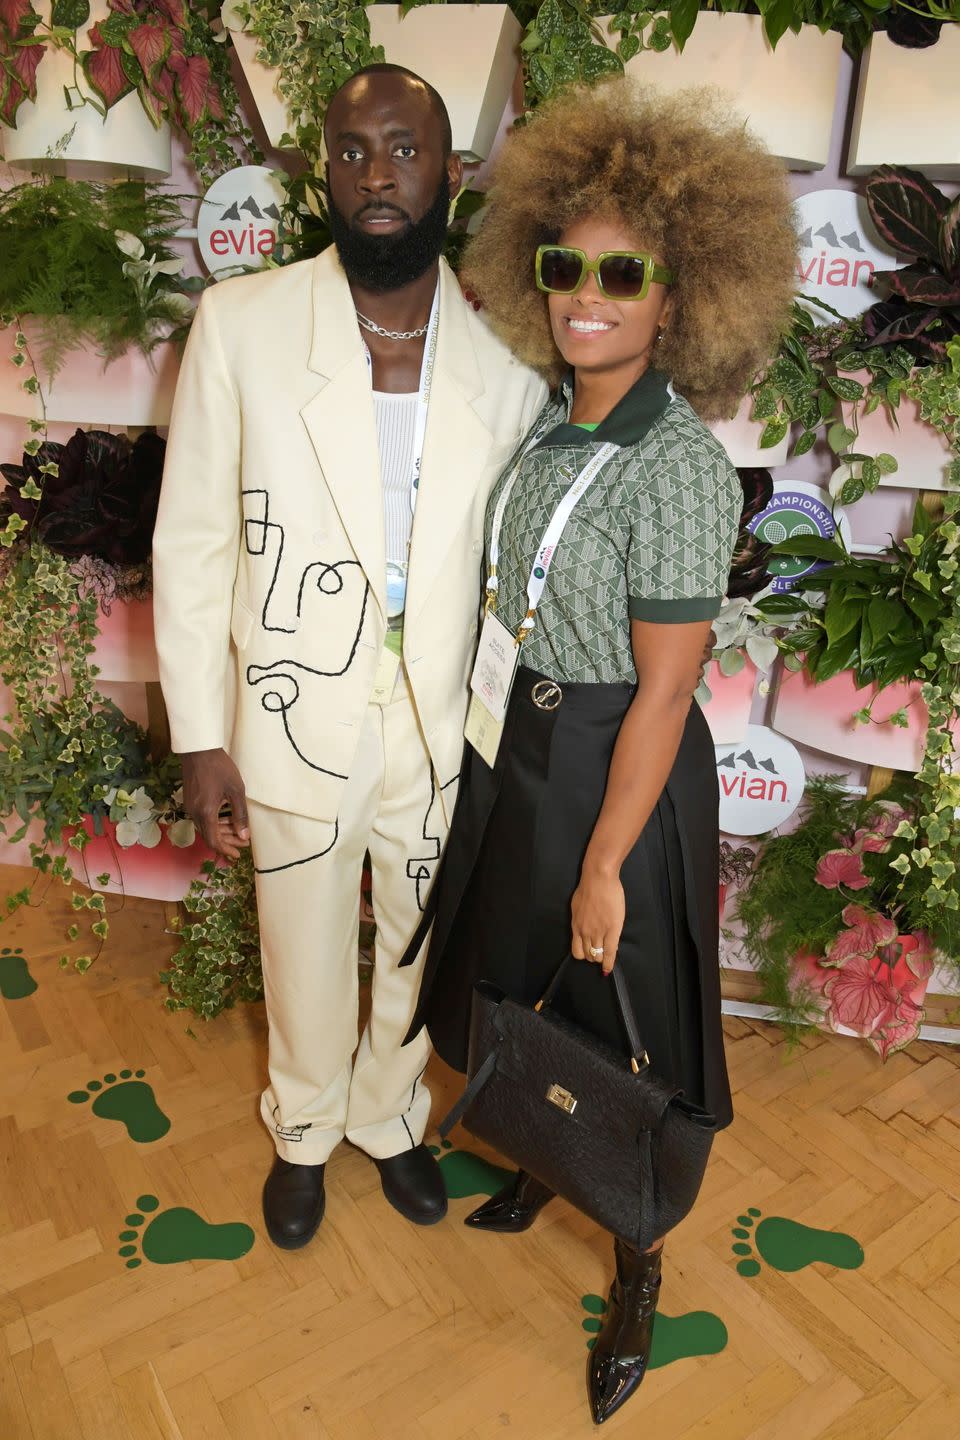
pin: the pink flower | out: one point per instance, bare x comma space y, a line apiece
867, 930
887, 817
841, 867
858, 998
881, 996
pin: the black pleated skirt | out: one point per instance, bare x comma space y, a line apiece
502, 898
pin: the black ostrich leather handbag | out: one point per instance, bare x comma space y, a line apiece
596, 1128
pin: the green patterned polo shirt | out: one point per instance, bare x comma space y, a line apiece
650, 540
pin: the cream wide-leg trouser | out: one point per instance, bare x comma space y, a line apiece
308, 884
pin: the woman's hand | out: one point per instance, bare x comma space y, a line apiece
597, 913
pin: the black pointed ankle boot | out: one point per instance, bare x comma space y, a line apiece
512, 1209
618, 1360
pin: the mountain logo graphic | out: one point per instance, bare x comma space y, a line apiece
745, 779
240, 235
761, 781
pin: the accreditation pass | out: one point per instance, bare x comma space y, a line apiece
491, 682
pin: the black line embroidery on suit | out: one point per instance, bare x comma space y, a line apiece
257, 674
265, 526
281, 706
291, 864
418, 866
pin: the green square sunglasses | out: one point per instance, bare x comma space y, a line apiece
621, 274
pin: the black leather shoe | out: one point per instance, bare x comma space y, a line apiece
293, 1203
618, 1361
512, 1209
413, 1183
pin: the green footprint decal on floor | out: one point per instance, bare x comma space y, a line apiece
467, 1174
675, 1337
16, 982
788, 1245
179, 1234
127, 1099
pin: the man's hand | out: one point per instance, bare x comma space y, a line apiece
707, 654
212, 784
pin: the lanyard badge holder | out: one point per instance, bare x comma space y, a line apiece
385, 679
498, 652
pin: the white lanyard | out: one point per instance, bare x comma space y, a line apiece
547, 548
423, 393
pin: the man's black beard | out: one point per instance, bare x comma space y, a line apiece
388, 262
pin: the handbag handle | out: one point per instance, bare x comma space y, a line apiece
638, 1054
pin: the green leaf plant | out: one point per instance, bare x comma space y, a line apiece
92, 263
69, 758
170, 52
895, 618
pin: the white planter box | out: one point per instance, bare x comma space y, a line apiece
740, 437
132, 390
469, 53
907, 109
786, 94
124, 143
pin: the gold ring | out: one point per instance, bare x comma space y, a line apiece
546, 694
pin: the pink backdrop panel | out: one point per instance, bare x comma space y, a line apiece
821, 716
125, 648
728, 710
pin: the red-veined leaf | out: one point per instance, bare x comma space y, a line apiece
12, 15
150, 44
104, 70
174, 11
925, 289
193, 86
155, 107
950, 239
12, 96
23, 63
906, 208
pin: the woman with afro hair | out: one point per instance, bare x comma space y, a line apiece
639, 251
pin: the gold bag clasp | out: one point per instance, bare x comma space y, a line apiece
562, 1098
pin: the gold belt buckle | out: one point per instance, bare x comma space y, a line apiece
546, 694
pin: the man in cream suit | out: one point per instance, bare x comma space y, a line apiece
338, 426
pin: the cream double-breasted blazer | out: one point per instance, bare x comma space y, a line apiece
269, 561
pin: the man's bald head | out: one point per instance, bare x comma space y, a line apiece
366, 84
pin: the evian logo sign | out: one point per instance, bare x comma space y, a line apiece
239, 219
839, 251
761, 782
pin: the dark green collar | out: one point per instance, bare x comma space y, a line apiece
628, 421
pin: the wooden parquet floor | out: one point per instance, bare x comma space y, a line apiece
382, 1331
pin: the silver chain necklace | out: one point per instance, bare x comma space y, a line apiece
391, 334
